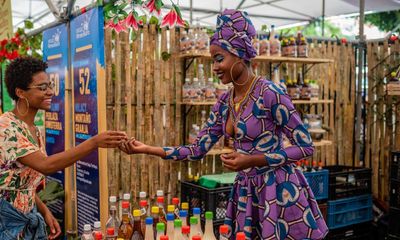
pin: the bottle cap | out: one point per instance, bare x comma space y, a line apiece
196, 178
87, 227
163, 237
187, 79
240, 236
190, 176
196, 210
143, 203
149, 221
136, 213
97, 224
142, 194
185, 229
160, 227
177, 223
110, 231
160, 199
209, 215
170, 217
195, 79
193, 220
155, 209
183, 213
185, 206
223, 229
127, 196
125, 204
200, 65
210, 79
113, 199
197, 237
170, 208
160, 193
175, 201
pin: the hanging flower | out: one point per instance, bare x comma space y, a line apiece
120, 26
154, 6
173, 17
131, 21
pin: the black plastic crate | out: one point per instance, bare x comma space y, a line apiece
215, 200
345, 181
394, 165
394, 222
357, 231
394, 193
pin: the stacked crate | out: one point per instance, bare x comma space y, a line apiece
350, 202
394, 211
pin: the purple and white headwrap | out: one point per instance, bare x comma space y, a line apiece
234, 33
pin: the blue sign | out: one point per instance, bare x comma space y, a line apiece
55, 53
87, 46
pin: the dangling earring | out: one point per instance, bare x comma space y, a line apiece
27, 107
240, 84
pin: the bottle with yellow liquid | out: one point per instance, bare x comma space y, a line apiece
125, 230
137, 226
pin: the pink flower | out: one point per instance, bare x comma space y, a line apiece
154, 6
118, 27
130, 21
173, 17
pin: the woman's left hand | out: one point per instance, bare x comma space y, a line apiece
52, 222
236, 161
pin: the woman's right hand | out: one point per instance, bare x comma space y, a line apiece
133, 146
110, 139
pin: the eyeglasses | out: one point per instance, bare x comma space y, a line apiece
43, 87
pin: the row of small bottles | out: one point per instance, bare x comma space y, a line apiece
304, 165
194, 41
298, 88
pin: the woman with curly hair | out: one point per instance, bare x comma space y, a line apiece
23, 160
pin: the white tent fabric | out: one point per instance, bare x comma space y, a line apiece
277, 12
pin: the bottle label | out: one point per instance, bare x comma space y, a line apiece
302, 50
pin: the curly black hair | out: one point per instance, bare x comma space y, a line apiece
19, 73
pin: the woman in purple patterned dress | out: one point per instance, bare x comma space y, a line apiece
270, 199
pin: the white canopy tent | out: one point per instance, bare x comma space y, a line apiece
277, 12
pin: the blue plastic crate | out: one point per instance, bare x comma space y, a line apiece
319, 183
349, 211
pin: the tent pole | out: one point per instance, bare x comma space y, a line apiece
361, 47
191, 12
323, 17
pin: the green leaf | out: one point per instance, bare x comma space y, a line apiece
28, 24
144, 19
159, 4
123, 6
134, 35
153, 20
165, 56
177, 10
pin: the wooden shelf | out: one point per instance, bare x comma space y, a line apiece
213, 151
296, 102
267, 58
323, 143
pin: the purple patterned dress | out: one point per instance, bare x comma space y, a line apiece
272, 202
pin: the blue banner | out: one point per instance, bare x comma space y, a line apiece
87, 46
55, 53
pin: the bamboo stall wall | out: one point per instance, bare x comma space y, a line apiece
144, 79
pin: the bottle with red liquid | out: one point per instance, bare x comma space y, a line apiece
175, 202
223, 232
162, 215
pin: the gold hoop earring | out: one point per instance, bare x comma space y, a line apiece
27, 107
239, 84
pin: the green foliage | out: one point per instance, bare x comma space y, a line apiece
51, 193
385, 21
314, 29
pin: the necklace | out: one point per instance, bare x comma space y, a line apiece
237, 105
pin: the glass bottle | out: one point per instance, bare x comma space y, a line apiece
143, 214
97, 228
175, 202
127, 198
87, 232
125, 230
111, 234
209, 227
137, 233
160, 204
155, 213
113, 220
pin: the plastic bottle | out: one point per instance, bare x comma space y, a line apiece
127, 198
292, 47
125, 230
186, 91
185, 232
111, 234
272, 33
210, 92
240, 236
264, 47
190, 45
160, 230
183, 42
185, 205
143, 214
183, 217
320, 166
196, 214
170, 225
87, 232
202, 81
170, 208
223, 232
209, 228
137, 233
194, 227
276, 76
155, 213
97, 228
160, 204
196, 93
178, 230
175, 202
113, 220
275, 46
202, 41
149, 232
314, 166
192, 134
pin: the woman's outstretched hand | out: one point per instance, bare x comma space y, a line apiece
133, 146
110, 139
238, 161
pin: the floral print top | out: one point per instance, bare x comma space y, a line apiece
18, 182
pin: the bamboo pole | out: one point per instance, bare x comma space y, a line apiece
117, 102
